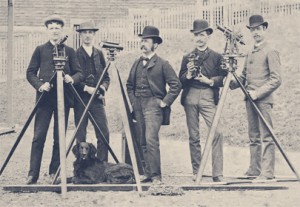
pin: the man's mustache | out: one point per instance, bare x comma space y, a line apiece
143, 47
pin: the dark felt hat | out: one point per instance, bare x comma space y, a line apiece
54, 17
255, 21
201, 25
151, 32
90, 25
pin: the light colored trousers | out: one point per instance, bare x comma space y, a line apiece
201, 101
260, 163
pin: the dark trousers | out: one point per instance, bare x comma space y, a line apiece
149, 117
98, 112
42, 120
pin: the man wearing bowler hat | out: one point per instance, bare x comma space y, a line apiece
261, 77
146, 87
92, 63
201, 77
39, 72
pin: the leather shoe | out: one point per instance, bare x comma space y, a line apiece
156, 181
145, 179
30, 180
218, 179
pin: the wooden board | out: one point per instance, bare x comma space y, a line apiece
132, 187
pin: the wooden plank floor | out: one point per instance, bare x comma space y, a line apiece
145, 187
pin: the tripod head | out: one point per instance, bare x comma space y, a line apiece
231, 50
59, 54
112, 49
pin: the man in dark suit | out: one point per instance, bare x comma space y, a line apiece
39, 72
146, 88
92, 63
201, 76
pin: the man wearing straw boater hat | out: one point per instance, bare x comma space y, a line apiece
201, 77
261, 77
146, 87
92, 63
39, 72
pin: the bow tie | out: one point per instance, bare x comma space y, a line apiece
144, 58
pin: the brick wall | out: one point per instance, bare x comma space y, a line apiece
32, 12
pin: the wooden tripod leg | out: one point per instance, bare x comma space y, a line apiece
213, 129
269, 127
61, 132
24, 129
127, 129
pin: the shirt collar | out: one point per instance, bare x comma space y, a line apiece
259, 46
149, 56
88, 49
201, 50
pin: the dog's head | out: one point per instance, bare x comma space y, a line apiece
84, 151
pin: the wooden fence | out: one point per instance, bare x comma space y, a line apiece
173, 24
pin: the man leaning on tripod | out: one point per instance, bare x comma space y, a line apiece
261, 77
39, 72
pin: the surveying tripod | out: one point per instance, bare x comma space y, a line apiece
231, 52
60, 59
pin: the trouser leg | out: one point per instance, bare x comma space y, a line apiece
42, 120
78, 112
98, 112
153, 119
268, 157
141, 129
55, 160
207, 110
192, 120
255, 141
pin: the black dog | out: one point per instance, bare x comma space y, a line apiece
90, 170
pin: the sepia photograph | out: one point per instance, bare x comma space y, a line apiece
149, 103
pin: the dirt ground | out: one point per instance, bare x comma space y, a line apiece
176, 169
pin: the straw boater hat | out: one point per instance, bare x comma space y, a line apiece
201, 25
255, 21
151, 32
54, 17
90, 25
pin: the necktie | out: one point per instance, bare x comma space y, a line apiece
144, 59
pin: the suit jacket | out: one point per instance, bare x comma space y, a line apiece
41, 69
100, 64
261, 72
211, 68
159, 73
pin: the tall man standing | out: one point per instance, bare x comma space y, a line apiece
92, 63
261, 77
201, 77
146, 87
39, 72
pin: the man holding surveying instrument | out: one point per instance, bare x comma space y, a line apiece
201, 76
40, 73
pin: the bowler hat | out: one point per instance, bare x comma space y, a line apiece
201, 25
54, 17
255, 21
90, 25
151, 32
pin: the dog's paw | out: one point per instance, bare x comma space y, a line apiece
75, 180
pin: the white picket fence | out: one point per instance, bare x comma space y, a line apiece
173, 24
